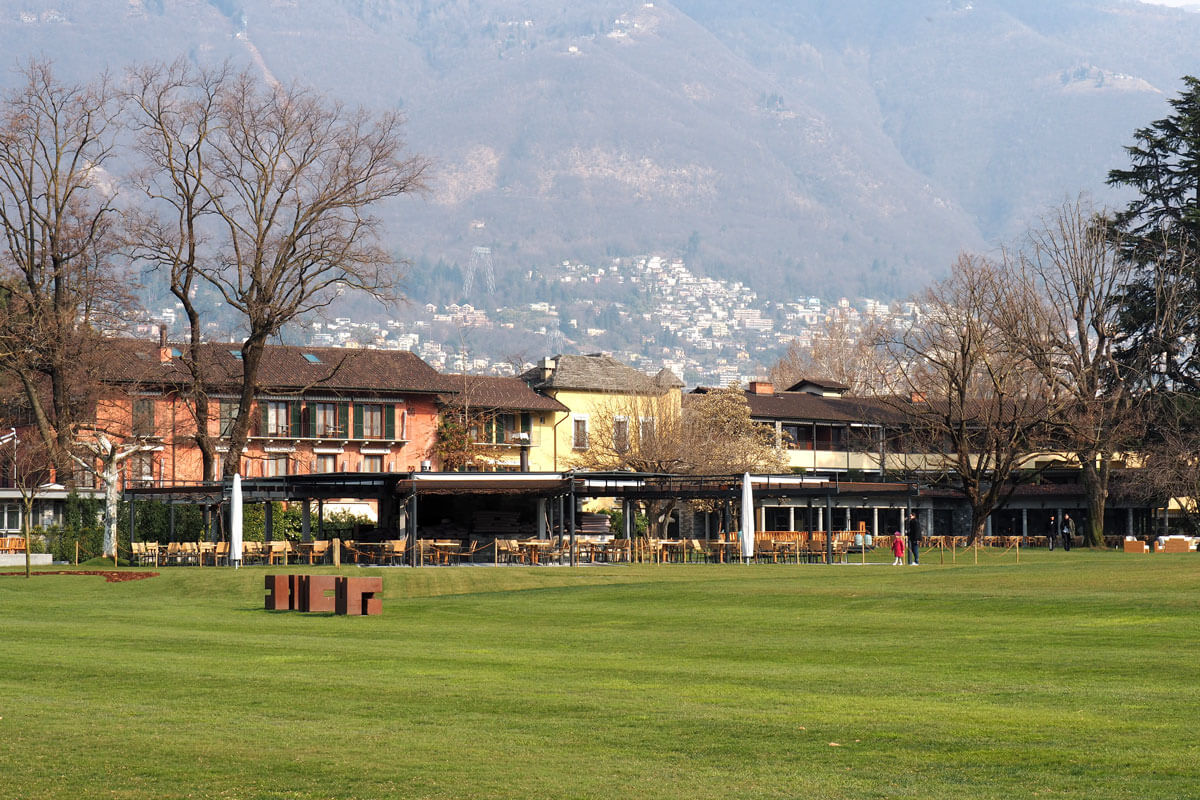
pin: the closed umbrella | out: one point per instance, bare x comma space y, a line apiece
235, 522
747, 518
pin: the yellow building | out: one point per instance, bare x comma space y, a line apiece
508, 426
601, 395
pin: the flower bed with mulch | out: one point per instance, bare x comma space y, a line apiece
110, 576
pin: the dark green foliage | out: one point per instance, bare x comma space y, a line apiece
641, 524
82, 524
1159, 232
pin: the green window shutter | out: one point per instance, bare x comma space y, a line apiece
343, 412
527, 423
489, 431
298, 419
262, 418
389, 421
358, 421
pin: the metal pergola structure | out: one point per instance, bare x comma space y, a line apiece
398, 494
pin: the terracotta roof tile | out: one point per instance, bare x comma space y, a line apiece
499, 393
285, 368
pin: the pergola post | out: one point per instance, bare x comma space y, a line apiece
571, 522
829, 531
412, 537
132, 531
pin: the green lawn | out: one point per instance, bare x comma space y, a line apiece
1068, 675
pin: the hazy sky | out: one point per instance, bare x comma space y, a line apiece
1172, 2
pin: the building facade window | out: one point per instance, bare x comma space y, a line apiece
372, 422
226, 416
143, 416
646, 429
10, 516
502, 429
275, 466
325, 420
579, 433
141, 467
278, 418
621, 434
327, 463
372, 464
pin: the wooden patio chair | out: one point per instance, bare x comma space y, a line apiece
252, 552
320, 551
394, 551
277, 553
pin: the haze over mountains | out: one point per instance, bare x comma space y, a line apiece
825, 147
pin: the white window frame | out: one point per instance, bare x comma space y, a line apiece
620, 434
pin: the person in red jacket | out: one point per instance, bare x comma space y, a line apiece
898, 549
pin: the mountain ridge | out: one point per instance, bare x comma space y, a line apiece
806, 148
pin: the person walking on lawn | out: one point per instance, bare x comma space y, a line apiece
914, 539
1068, 532
1052, 531
898, 549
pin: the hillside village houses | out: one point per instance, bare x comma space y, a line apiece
338, 411
720, 331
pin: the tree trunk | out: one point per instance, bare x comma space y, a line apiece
979, 520
252, 351
110, 477
1095, 488
208, 448
27, 526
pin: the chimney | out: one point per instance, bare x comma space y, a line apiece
762, 387
547, 365
164, 352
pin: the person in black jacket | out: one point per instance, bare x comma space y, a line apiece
1052, 531
914, 539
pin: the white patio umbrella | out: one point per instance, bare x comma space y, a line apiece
235, 522
747, 537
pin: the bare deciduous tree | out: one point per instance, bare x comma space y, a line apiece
1063, 315
712, 434
57, 279
841, 350
284, 181
174, 119
640, 433
969, 400
721, 438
